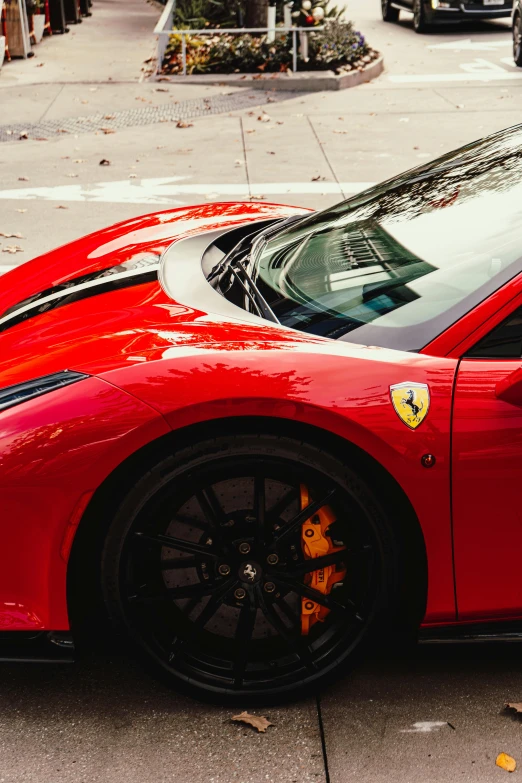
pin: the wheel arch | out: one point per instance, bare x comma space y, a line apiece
83, 564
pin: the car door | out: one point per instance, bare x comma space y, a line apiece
487, 472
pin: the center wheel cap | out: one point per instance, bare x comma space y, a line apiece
250, 572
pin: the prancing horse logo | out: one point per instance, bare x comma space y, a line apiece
250, 572
411, 402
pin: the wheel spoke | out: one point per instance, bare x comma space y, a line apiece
191, 547
260, 504
278, 508
292, 638
322, 599
198, 590
214, 603
316, 563
178, 562
244, 630
210, 506
312, 508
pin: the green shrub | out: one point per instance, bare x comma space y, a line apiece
337, 46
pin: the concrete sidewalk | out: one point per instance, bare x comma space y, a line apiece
109, 46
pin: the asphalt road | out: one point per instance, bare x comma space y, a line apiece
437, 715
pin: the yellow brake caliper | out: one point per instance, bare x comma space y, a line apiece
316, 543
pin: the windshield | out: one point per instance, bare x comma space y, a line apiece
399, 263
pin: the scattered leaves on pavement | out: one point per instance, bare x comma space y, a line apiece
260, 723
104, 162
506, 762
7, 235
264, 117
269, 152
238, 163
12, 249
62, 130
60, 206
107, 130
109, 116
132, 176
318, 178
183, 124
23, 135
23, 179
160, 89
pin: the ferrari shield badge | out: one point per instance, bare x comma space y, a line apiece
411, 402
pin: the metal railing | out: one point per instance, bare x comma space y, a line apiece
166, 22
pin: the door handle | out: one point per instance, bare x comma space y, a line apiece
509, 388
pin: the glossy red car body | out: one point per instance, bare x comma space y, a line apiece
158, 365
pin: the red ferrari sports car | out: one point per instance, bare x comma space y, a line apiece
258, 438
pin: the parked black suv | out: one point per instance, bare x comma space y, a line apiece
431, 12
517, 32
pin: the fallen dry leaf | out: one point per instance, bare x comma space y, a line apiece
318, 178
12, 249
260, 723
506, 762
264, 117
79, 160
341, 131
107, 130
104, 162
23, 135
23, 179
20, 210
109, 116
182, 124
61, 207
514, 705
62, 130
132, 176
10, 236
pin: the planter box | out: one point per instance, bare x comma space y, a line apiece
2, 49
300, 81
38, 27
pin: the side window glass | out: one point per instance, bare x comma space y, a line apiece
503, 342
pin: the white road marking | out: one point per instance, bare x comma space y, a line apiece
169, 190
467, 45
425, 726
480, 73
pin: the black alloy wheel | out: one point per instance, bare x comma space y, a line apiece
204, 568
517, 40
389, 14
419, 17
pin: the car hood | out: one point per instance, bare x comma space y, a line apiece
108, 324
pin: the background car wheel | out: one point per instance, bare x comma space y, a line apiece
207, 567
517, 40
389, 14
419, 17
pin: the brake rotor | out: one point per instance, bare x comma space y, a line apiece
317, 542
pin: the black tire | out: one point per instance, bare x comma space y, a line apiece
420, 25
517, 40
389, 14
246, 641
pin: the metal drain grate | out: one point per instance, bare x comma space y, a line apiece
148, 115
